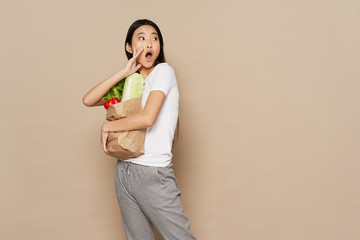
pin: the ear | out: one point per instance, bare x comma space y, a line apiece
128, 48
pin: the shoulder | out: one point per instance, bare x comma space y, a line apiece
163, 78
164, 67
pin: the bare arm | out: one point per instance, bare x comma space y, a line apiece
94, 95
143, 119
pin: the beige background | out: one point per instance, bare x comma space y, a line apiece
269, 131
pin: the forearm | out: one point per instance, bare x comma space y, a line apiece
95, 94
145, 118
133, 122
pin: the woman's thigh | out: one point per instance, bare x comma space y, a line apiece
158, 195
136, 224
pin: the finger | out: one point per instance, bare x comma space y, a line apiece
139, 52
104, 147
102, 139
103, 142
105, 136
138, 66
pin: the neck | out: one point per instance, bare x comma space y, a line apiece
146, 71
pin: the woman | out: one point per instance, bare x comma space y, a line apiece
146, 188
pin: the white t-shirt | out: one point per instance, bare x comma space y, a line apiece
159, 137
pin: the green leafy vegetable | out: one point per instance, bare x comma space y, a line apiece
134, 87
131, 87
115, 91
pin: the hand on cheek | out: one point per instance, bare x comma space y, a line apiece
138, 48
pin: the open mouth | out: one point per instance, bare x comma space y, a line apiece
148, 56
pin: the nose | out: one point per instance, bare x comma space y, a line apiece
148, 45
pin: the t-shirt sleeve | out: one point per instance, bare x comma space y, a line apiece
164, 79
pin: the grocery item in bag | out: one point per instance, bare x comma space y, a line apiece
127, 144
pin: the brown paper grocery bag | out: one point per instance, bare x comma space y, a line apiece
123, 109
127, 144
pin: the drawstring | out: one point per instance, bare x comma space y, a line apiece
127, 168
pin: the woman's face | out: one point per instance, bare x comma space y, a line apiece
147, 38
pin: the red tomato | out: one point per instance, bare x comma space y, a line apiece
111, 102
107, 104
114, 100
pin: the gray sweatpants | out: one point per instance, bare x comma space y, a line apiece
147, 196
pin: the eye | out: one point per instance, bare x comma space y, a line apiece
155, 38
141, 38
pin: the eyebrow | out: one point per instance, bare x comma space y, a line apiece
144, 33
